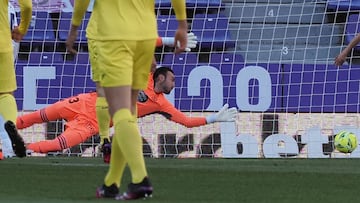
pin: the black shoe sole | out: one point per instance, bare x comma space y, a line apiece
18, 143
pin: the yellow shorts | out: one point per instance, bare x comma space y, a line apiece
7, 72
124, 63
93, 56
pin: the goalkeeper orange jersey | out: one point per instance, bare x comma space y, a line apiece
150, 102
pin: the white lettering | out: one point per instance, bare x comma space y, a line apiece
280, 144
242, 88
314, 140
216, 85
230, 141
31, 74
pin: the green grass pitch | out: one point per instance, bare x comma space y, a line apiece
70, 179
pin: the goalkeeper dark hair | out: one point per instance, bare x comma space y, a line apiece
162, 70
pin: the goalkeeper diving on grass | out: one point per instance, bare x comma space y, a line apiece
80, 113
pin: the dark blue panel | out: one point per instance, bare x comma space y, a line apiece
294, 87
352, 28
41, 28
324, 89
343, 5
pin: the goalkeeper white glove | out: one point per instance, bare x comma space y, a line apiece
192, 41
224, 115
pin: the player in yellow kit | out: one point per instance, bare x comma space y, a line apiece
102, 113
80, 116
8, 107
124, 38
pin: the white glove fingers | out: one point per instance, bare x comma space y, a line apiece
223, 109
232, 113
233, 110
192, 40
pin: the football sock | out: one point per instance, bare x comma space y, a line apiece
48, 145
8, 108
130, 142
103, 118
30, 119
117, 165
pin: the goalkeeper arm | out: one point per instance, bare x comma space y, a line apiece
170, 41
226, 114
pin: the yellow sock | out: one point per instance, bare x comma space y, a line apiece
103, 118
8, 108
117, 165
130, 141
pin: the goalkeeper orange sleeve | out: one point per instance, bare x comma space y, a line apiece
159, 42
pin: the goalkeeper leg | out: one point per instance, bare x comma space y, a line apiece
50, 113
74, 134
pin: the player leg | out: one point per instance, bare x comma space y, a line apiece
109, 56
143, 61
116, 169
102, 110
117, 65
121, 94
8, 106
103, 118
102, 114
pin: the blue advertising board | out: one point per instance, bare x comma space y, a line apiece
205, 83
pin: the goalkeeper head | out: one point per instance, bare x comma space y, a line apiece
164, 80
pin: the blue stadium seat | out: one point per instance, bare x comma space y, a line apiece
343, 5
167, 25
226, 58
352, 28
180, 59
212, 31
41, 28
64, 26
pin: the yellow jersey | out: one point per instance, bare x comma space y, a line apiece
5, 32
123, 19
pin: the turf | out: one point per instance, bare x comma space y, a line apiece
59, 179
